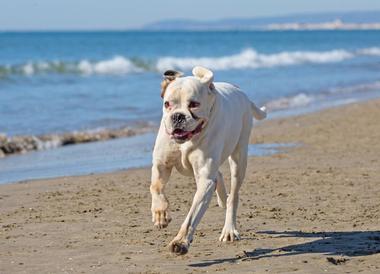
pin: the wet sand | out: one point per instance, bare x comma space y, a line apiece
314, 208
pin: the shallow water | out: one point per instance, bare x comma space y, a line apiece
98, 157
58, 82
68, 81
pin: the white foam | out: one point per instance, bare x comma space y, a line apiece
374, 51
250, 58
28, 69
116, 65
299, 100
356, 88
303, 100
85, 67
246, 59
43, 66
54, 142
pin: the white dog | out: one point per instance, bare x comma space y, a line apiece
203, 124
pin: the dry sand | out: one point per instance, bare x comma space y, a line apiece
314, 208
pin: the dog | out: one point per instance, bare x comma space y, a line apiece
203, 124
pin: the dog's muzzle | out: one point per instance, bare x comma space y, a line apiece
183, 135
178, 119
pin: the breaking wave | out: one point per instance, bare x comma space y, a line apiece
246, 59
299, 100
22, 144
116, 65
369, 51
303, 100
251, 59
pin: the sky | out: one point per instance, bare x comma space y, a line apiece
129, 14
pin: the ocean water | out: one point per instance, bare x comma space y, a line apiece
59, 82
56, 82
122, 153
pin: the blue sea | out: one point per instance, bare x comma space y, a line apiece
58, 82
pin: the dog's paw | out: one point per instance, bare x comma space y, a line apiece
229, 234
179, 247
160, 212
161, 218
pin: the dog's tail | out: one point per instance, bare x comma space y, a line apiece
258, 113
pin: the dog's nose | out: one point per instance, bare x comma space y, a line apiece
178, 118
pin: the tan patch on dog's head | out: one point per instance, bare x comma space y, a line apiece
169, 76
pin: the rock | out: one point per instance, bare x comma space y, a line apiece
337, 261
22, 144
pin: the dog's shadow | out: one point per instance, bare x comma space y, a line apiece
355, 243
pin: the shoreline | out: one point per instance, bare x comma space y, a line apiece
300, 104
22, 144
309, 209
124, 148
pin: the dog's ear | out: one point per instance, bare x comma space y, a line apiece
169, 75
205, 75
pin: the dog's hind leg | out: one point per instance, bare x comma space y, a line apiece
221, 192
238, 165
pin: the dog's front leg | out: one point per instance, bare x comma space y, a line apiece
160, 205
205, 188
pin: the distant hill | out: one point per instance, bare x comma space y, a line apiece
361, 17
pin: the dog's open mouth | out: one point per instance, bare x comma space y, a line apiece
183, 135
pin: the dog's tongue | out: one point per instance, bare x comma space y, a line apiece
179, 133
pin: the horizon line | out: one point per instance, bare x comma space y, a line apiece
145, 27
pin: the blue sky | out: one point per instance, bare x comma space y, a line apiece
124, 14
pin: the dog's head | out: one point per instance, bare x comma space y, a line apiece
187, 102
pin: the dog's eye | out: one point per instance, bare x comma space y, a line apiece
166, 104
194, 104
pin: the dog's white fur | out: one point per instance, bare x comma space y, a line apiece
220, 127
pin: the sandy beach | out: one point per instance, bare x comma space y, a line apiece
312, 208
